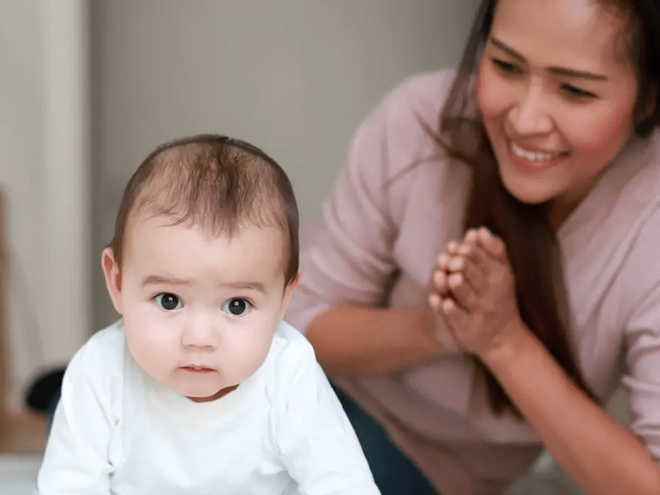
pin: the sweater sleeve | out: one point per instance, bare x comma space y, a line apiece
642, 380
640, 295
350, 256
76, 458
314, 437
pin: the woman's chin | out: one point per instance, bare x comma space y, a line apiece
526, 194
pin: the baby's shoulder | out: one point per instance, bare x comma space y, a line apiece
290, 348
103, 352
290, 360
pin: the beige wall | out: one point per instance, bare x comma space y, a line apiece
43, 166
21, 158
294, 77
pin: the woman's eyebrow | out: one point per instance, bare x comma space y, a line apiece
560, 71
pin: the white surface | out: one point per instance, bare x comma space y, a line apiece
18, 474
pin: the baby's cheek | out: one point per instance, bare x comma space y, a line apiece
148, 345
247, 354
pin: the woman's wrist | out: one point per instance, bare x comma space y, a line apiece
434, 334
515, 338
422, 331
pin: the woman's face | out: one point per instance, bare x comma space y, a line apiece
557, 96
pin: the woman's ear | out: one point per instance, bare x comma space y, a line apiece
112, 275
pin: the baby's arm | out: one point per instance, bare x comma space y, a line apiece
76, 458
316, 440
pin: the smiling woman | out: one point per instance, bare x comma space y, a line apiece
545, 135
556, 116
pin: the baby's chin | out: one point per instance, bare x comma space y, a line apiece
218, 395
206, 386
203, 392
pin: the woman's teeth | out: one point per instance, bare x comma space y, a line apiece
533, 156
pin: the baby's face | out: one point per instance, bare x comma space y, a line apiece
199, 312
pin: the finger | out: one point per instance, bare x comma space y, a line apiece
471, 237
474, 274
462, 292
492, 244
470, 241
443, 332
443, 261
452, 247
488, 273
473, 253
455, 317
455, 264
435, 301
439, 284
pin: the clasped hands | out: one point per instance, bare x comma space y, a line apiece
472, 294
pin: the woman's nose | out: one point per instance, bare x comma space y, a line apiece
530, 115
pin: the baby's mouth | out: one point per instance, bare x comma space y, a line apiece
197, 369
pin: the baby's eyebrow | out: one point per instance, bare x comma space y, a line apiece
159, 280
258, 286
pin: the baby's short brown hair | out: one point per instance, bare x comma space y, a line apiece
215, 182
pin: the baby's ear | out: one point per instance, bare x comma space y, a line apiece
112, 275
288, 292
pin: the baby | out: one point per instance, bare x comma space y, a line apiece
201, 388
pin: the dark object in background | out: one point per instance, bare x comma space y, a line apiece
41, 391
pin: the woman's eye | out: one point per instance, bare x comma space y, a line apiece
236, 307
167, 301
576, 92
505, 66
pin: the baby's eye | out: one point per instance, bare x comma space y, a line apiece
168, 301
237, 306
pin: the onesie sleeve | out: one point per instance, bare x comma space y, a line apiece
76, 461
315, 439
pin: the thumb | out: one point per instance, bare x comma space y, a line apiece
493, 245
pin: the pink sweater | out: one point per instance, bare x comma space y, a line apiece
394, 209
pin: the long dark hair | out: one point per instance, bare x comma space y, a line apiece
530, 239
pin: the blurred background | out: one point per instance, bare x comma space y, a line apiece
89, 88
